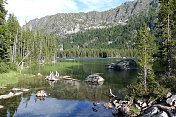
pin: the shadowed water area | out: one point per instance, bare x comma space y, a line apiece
67, 98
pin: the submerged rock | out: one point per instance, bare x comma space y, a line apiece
25, 90
20, 89
18, 93
7, 96
94, 79
16, 89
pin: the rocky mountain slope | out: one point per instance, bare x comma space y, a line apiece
69, 23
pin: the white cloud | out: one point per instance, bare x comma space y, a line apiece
98, 5
30, 9
26, 10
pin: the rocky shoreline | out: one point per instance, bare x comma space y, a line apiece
165, 107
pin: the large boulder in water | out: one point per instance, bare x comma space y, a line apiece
127, 64
94, 79
110, 66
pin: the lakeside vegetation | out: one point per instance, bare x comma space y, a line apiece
9, 78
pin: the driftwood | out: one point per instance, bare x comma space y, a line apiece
56, 77
111, 94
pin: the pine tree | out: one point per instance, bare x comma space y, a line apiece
167, 26
14, 31
146, 47
4, 40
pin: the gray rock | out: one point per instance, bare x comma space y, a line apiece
122, 65
151, 112
162, 114
110, 66
1, 106
171, 101
126, 65
95, 79
168, 95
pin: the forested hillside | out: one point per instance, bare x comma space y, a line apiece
62, 24
121, 37
117, 37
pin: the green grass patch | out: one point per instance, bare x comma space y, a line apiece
9, 78
61, 66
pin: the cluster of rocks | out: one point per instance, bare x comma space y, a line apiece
166, 108
15, 93
122, 107
127, 64
41, 95
146, 108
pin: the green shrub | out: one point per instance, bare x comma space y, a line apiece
3, 67
166, 82
134, 109
154, 90
6, 67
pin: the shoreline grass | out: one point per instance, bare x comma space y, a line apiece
13, 77
9, 78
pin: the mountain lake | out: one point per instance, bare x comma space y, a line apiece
67, 98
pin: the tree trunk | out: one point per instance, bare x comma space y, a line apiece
168, 49
145, 72
15, 46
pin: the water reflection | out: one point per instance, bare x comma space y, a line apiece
66, 97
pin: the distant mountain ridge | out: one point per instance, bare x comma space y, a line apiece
62, 24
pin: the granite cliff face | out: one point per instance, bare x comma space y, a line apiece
69, 23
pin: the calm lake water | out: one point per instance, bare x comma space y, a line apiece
68, 98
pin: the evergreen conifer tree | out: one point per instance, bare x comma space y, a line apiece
146, 48
167, 34
4, 40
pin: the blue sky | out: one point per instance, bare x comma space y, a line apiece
26, 10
